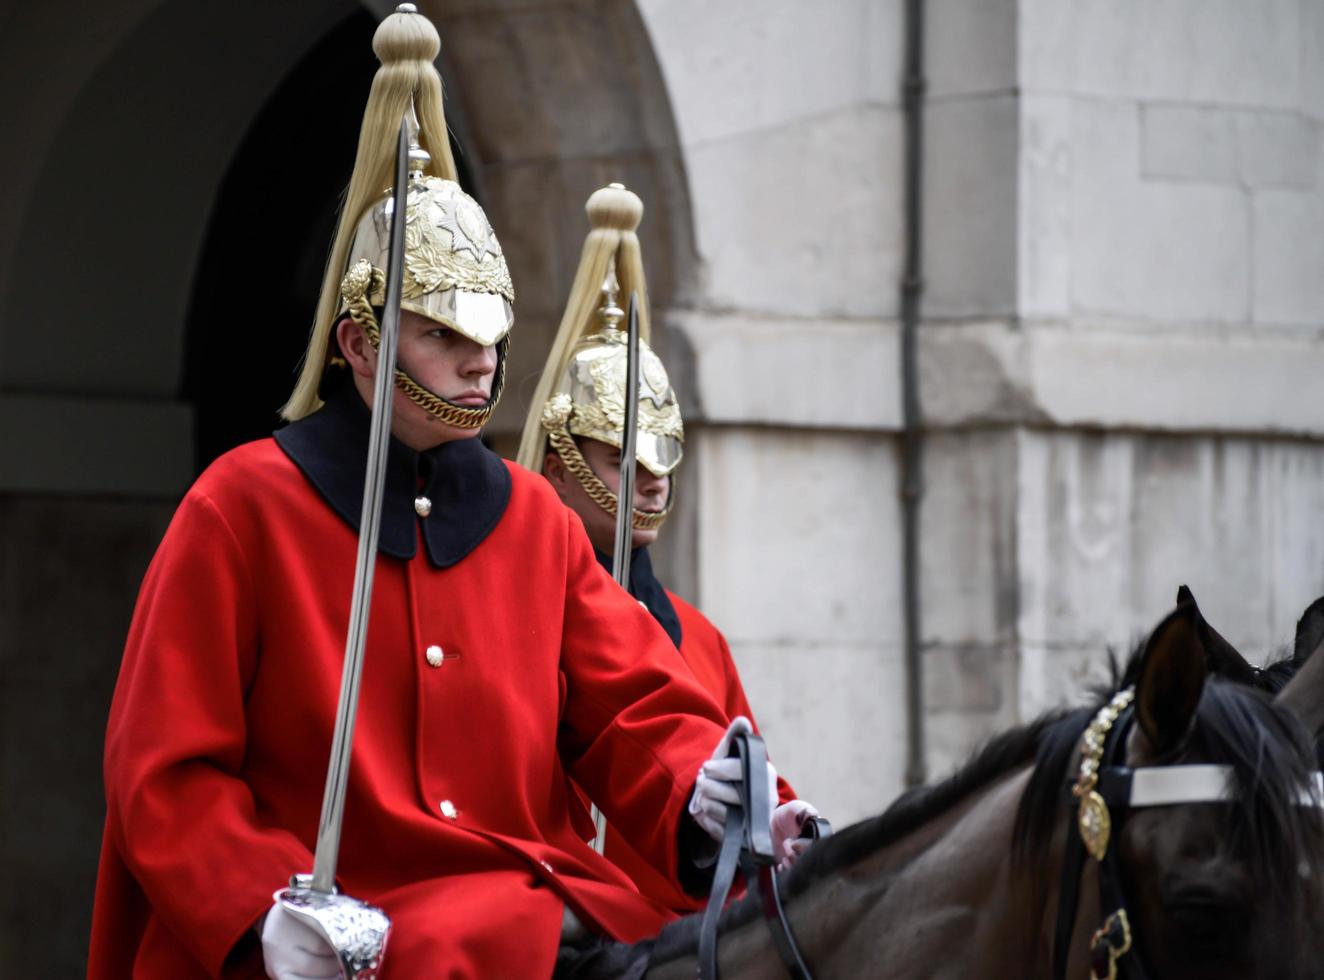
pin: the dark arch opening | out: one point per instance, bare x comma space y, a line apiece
260, 268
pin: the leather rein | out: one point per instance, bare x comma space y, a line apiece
1103, 791
747, 843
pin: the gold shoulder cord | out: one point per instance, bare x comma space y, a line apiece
362, 280
554, 417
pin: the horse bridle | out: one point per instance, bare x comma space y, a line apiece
1103, 786
747, 841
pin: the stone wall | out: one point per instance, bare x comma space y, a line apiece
789, 124
1124, 315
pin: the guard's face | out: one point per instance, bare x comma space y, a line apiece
650, 495
440, 359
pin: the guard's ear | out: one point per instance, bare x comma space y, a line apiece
553, 467
1223, 659
1309, 632
354, 347
1172, 675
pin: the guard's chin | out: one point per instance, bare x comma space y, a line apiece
642, 538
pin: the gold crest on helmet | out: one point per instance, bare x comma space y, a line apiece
455, 272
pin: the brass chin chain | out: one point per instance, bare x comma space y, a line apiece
564, 444
358, 284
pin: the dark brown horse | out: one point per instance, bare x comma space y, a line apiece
963, 879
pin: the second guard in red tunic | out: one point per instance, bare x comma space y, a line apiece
573, 435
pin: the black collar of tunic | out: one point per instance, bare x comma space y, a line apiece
645, 587
468, 484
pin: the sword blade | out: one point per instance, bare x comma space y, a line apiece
620, 559
620, 556
337, 775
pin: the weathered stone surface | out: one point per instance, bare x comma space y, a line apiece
1165, 380
1311, 99
851, 698
1256, 149
1213, 51
969, 47
1278, 149
1110, 525
803, 373
752, 65
799, 537
1045, 227
1114, 374
975, 371
970, 212
1289, 258
968, 557
1163, 251
556, 81
801, 220
969, 695
1188, 142
1056, 675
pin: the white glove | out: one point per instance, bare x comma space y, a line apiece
718, 782
293, 951
787, 822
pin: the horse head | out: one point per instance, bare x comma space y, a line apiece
1224, 886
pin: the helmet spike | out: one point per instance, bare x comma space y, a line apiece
610, 312
419, 158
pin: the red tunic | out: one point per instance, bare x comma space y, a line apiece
705, 651
220, 730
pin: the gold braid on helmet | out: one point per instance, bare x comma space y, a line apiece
554, 417
362, 280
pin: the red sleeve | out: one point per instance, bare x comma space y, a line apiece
636, 725
178, 812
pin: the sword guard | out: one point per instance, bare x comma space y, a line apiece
356, 930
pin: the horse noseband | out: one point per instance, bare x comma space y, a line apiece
748, 842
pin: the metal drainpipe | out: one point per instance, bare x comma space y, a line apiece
912, 438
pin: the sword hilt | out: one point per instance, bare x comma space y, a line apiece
356, 930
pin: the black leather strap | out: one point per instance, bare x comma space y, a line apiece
1115, 787
1112, 896
775, 916
748, 842
727, 860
